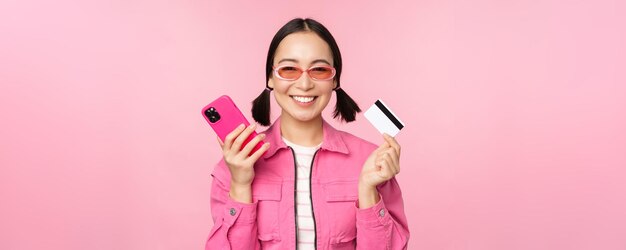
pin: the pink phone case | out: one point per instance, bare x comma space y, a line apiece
224, 117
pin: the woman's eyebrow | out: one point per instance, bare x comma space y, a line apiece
288, 60
296, 61
320, 60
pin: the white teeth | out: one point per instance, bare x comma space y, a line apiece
303, 99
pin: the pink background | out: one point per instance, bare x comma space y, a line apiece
515, 114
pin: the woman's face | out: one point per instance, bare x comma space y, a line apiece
302, 99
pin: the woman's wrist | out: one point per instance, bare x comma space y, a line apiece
241, 193
368, 196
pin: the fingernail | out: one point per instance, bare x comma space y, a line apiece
241, 125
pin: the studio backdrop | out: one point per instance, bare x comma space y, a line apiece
514, 111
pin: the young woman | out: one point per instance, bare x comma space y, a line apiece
310, 186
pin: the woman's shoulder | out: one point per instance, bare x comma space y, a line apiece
354, 142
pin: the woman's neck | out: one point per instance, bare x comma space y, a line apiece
308, 133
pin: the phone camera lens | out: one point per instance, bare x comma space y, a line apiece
212, 114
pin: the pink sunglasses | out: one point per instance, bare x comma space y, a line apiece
291, 73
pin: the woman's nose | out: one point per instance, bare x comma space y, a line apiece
305, 82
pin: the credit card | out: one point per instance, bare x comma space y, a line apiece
383, 119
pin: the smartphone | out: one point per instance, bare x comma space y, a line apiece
223, 116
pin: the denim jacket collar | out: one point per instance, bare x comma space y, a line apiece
332, 140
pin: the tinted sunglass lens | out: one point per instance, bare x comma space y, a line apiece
321, 73
289, 72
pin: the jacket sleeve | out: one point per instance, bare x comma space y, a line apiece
234, 223
384, 225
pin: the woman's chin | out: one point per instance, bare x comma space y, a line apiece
305, 117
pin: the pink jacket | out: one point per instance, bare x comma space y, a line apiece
270, 221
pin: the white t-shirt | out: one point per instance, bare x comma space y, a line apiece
304, 215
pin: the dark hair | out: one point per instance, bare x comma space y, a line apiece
346, 108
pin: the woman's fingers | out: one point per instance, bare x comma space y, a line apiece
251, 144
392, 142
392, 154
254, 157
394, 159
242, 137
388, 156
386, 170
228, 140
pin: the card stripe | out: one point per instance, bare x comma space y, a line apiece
389, 115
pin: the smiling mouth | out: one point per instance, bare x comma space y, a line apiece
303, 99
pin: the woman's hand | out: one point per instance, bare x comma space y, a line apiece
239, 163
382, 165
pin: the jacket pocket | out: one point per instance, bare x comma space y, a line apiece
268, 194
341, 191
268, 239
341, 195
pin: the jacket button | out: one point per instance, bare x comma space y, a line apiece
233, 211
381, 212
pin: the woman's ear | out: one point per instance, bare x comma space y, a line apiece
270, 83
334, 84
